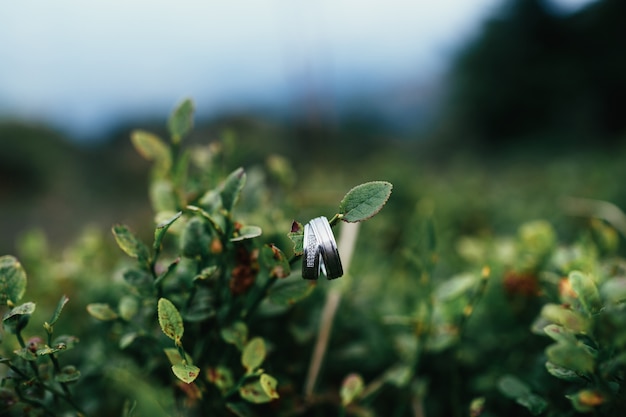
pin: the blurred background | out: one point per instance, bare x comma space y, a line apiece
493, 110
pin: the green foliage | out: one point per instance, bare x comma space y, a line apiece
205, 313
210, 280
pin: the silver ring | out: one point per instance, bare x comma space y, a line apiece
331, 263
311, 262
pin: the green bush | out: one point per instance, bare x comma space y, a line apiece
212, 316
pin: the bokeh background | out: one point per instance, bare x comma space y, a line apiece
491, 110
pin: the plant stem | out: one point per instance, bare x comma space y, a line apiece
346, 245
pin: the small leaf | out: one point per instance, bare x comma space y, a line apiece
297, 237
247, 232
584, 286
573, 357
240, 409
69, 342
560, 334
51, 350
152, 148
586, 400
206, 216
275, 261
565, 317
128, 307
288, 292
456, 287
161, 230
173, 355
512, 387
185, 372
614, 290
351, 388
364, 201
132, 246
253, 354
236, 334
17, 318
562, 373
101, 311
170, 320
57, 311
180, 122
515, 389
127, 339
26, 308
26, 354
400, 375
231, 188
68, 374
195, 239
255, 393
221, 377
12, 280
269, 385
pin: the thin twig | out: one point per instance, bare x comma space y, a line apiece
346, 246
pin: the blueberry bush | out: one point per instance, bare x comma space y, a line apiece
208, 314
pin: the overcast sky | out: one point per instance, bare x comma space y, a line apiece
80, 64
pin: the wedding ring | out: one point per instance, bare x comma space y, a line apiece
311, 263
331, 263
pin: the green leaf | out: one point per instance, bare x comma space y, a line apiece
47, 350
351, 388
236, 334
101, 311
180, 122
173, 355
275, 261
269, 383
565, 317
515, 389
185, 372
364, 201
57, 312
584, 286
297, 237
65, 342
24, 309
562, 373
12, 280
161, 230
152, 148
512, 387
253, 354
132, 246
221, 377
196, 239
289, 292
560, 334
68, 374
128, 307
614, 290
240, 409
246, 232
170, 320
26, 354
231, 188
456, 286
573, 357
206, 216
259, 392
586, 400
17, 318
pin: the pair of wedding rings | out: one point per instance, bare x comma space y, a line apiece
320, 250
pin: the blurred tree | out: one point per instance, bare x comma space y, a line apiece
536, 74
